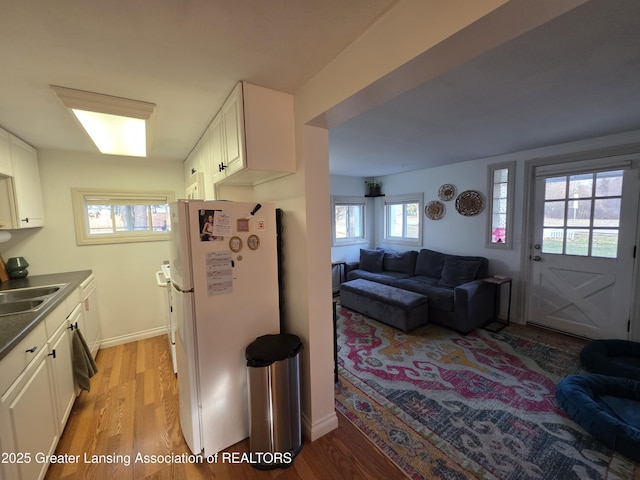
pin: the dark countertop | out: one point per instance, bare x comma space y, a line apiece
14, 328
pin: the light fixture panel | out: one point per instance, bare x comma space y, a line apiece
117, 126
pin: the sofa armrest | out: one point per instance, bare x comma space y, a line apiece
350, 266
474, 305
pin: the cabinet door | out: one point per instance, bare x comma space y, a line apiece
60, 359
217, 156
5, 157
28, 193
28, 421
233, 126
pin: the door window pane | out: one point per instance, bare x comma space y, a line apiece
577, 242
609, 184
554, 214
552, 240
605, 243
579, 213
581, 186
555, 188
607, 213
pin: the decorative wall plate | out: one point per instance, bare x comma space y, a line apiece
434, 210
446, 192
469, 203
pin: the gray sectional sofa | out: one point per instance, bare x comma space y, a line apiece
452, 284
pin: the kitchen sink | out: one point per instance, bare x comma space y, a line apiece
29, 293
22, 300
21, 306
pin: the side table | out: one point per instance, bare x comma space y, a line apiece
341, 264
498, 281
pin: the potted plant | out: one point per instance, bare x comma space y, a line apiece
374, 187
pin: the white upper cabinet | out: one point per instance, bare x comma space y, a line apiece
5, 156
251, 140
231, 114
28, 190
20, 189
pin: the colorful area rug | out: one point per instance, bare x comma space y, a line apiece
481, 406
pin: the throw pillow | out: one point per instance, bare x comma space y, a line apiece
430, 263
456, 272
371, 260
402, 262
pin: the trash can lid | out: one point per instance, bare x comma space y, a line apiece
267, 349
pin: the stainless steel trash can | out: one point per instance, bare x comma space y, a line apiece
275, 436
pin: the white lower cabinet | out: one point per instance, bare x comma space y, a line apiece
38, 390
60, 359
28, 418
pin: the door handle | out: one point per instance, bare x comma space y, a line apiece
536, 258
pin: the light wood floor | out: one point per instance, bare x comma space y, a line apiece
132, 409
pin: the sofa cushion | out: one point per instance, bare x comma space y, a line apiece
440, 298
371, 260
457, 271
402, 262
386, 278
430, 263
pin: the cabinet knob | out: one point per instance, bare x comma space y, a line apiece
52, 354
26, 220
221, 167
32, 349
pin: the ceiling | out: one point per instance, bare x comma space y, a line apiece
575, 77
185, 56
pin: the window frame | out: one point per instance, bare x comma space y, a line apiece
115, 197
403, 199
346, 200
509, 226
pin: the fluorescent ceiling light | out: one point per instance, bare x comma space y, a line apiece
117, 126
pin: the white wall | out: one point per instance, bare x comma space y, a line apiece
130, 303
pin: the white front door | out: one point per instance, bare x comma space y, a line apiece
582, 250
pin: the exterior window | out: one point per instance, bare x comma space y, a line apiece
501, 183
403, 219
348, 220
582, 214
103, 217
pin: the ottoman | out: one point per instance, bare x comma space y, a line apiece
393, 306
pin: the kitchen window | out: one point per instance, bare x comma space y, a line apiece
103, 216
348, 221
403, 219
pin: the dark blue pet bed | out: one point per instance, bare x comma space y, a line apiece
619, 358
607, 407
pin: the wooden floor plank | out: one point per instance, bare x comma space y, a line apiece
132, 409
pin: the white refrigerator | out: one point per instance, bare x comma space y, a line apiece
224, 276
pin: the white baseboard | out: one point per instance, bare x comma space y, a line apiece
133, 337
320, 428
